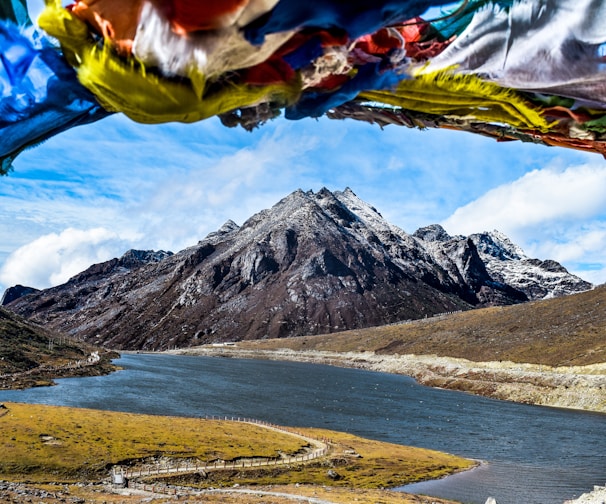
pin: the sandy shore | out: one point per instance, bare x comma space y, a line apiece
577, 387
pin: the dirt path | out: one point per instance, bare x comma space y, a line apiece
321, 448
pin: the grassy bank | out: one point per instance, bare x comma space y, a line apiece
49, 443
353, 462
566, 331
57, 444
32, 356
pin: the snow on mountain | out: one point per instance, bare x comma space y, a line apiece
506, 263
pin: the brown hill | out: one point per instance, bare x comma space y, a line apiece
31, 355
565, 331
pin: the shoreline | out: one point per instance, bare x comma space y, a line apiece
45, 375
571, 387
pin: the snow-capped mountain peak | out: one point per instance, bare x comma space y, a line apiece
497, 245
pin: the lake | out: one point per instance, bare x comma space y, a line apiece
534, 455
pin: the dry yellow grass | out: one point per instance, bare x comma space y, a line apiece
397, 464
57, 444
48, 443
566, 331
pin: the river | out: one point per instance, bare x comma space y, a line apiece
534, 455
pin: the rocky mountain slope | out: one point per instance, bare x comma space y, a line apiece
505, 262
314, 263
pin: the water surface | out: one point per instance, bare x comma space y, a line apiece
534, 455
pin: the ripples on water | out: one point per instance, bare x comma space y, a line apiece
535, 455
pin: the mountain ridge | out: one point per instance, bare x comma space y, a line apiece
313, 263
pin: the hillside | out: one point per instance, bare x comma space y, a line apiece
31, 355
565, 331
314, 263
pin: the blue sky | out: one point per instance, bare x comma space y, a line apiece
95, 191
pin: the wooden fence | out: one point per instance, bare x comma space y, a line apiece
188, 466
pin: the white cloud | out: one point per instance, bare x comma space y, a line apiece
580, 247
595, 276
586, 242
539, 196
54, 258
551, 213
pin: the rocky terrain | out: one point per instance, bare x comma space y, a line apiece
597, 496
314, 263
19, 493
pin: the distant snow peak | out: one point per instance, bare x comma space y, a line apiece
496, 244
504, 261
432, 233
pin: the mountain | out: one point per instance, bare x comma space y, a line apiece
504, 261
314, 263
16, 292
